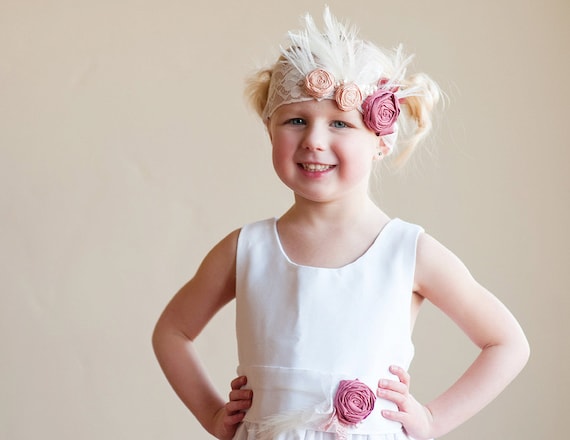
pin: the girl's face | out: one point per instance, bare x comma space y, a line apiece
321, 152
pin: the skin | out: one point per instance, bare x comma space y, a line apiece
325, 156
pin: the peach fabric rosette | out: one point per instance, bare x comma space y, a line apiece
348, 97
380, 111
319, 83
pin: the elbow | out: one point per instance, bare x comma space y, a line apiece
156, 338
159, 336
523, 347
166, 335
519, 346
514, 352
524, 351
519, 351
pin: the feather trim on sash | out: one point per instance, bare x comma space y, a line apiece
320, 417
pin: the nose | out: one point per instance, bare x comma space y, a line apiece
314, 138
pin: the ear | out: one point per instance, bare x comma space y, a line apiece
382, 150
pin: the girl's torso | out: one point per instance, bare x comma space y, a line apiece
302, 329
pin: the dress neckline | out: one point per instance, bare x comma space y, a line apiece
373, 245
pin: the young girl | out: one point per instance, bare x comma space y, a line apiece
327, 294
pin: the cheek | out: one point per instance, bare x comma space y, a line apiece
359, 162
281, 157
361, 151
277, 159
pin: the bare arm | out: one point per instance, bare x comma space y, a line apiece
185, 316
443, 279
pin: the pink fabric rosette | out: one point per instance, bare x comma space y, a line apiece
353, 402
348, 97
319, 83
380, 111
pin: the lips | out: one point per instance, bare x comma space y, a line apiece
316, 167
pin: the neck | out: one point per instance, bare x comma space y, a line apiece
336, 213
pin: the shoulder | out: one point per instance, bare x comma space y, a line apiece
222, 257
226, 248
402, 234
406, 226
434, 260
258, 227
432, 253
442, 277
256, 233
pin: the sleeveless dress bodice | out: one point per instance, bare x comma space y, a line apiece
301, 330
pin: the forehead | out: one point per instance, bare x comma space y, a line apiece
313, 108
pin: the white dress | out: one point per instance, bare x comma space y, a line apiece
301, 330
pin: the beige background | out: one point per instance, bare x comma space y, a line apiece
126, 152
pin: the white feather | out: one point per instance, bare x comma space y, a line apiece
338, 50
321, 417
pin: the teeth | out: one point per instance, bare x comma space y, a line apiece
316, 167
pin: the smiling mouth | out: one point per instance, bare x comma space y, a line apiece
316, 167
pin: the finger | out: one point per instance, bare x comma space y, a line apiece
237, 406
240, 395
234, 419
401, 373
395, 416
398, 398
238, 382
398, 387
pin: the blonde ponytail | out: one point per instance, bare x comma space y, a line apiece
417, 116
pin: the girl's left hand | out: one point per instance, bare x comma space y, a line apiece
228, 417
415, 418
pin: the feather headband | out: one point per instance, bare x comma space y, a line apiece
335, 64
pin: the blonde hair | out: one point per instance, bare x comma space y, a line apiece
257, 89
417, 115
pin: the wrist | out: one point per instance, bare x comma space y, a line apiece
436, 429
432, 425
214, 423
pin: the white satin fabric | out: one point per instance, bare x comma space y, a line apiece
302, 329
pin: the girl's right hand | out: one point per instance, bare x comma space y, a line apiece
232, 413
415, 418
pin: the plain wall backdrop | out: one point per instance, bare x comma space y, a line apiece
127, 152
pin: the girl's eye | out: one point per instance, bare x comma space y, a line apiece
296, 121
339, 124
